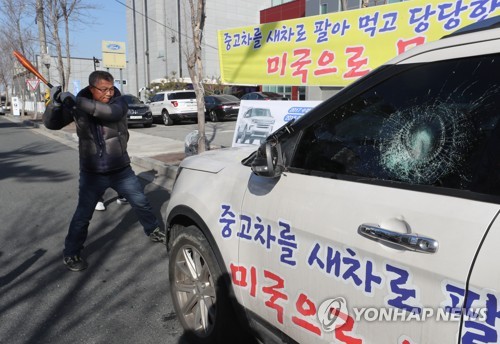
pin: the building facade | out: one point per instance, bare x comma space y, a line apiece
159, 32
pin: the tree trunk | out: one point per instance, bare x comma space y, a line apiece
195, 67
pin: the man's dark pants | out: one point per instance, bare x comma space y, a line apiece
91, 188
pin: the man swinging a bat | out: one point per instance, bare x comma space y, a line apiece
100, 116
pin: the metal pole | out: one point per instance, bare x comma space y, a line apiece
135, 49
179, 33
147, 42
121, 81
42, 37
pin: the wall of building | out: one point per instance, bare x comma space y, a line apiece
168, 30
290, 10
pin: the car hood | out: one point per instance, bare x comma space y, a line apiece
216, 160
137, 106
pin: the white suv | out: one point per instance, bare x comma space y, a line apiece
174, 106
371, 219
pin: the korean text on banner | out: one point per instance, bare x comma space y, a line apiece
337, 48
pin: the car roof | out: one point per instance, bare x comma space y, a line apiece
176, 91
218, 95
130, 95
462, 44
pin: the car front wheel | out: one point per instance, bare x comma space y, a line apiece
199, 293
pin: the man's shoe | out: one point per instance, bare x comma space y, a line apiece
75, 263
158, 236
121, 200
100, 206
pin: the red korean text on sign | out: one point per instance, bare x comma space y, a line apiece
277, 64
405, 45
300, 65
355, 63
306, 308
324, 62
347, 327
239, 277
275, 293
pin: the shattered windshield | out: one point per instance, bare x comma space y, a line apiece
430, 124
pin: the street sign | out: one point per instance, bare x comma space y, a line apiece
33, 83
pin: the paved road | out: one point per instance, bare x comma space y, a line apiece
123, 297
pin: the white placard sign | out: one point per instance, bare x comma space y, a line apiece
259, 118
16, 106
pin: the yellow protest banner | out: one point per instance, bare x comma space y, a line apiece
337, 48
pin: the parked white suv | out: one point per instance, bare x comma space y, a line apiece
371, 219
174, 106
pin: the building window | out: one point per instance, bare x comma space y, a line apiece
279, 2
351, 4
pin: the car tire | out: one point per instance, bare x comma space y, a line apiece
167, 120
213, 116
199, 293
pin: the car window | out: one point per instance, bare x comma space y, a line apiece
261, 112
209, 100
432, 124
230, 98
181, 95
158, 97
132, 100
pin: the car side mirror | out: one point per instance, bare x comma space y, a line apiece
268, 161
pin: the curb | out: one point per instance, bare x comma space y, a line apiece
152, 170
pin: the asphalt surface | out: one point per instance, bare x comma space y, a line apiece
123, 296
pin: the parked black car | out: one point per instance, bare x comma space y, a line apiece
221, 107
138, 112
263, 96
4, 105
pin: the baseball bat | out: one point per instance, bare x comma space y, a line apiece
27, 64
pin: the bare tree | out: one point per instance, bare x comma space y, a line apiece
17, 35
343, 5
60, 15
195, 64
6, 65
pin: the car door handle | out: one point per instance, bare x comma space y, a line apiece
410, 242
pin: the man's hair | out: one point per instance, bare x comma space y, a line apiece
97, 75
